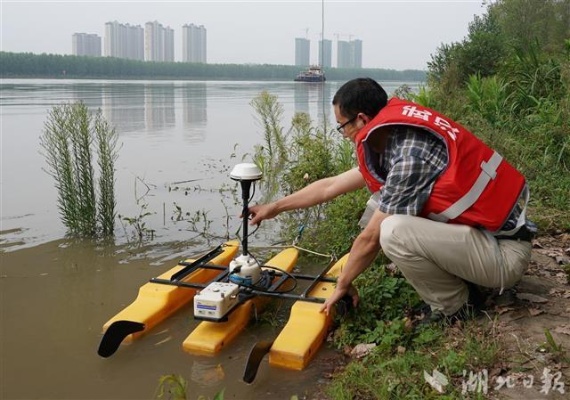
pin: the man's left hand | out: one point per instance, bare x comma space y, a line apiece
338, 294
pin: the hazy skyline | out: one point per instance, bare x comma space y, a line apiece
397, 34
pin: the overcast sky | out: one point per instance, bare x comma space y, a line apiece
397, 34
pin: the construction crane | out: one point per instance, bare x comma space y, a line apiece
339, 35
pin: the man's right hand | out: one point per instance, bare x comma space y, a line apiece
260, 212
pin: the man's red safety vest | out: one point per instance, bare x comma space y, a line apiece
478, 188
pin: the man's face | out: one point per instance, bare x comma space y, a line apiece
348, 127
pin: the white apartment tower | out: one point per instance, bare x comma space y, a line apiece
325, 53
349, 54
194, 43
158, 42
302, 51
86, 44
135, 42
168, 44
113, 42
124, 41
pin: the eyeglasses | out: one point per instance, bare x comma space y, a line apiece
340, 127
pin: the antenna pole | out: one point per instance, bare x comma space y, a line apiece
245, 186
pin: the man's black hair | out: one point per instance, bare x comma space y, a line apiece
360, 95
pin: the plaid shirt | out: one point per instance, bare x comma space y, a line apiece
410, 164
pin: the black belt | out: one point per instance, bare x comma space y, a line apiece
523, 234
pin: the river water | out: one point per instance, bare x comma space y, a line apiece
179, 140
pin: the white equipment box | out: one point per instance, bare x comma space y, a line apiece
215, 300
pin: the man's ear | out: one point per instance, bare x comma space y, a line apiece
364, 118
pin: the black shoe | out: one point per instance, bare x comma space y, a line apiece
437, 317
507, 298
433, 318
422, 308
476, 296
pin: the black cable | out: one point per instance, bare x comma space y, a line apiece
255, 230
252, 194
249, 201
290, 276
277, 269
264, 289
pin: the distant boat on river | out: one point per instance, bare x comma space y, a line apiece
313, 74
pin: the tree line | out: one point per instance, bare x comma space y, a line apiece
508, 80
29, 65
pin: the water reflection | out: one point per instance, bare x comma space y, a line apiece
159, 107
124, 107
194, 111
307, 95
324, 100
91, 95
301, 95
136, 107
150, 107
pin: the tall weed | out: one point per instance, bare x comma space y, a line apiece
71, 140
106, 139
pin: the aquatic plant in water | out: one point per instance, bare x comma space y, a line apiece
72, 138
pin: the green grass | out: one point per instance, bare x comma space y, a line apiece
397, 372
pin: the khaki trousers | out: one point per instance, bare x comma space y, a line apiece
436, 258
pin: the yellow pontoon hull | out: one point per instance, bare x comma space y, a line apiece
208, 338
307, 327
156, 302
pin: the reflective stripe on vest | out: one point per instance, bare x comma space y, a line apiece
488, 172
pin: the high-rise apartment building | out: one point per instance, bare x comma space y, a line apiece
114, 32
356, 46
302, 52
168, 44
158, 42
86, 44
325, 53
194, 43
349, 54
134, 42
124, 41
342, 54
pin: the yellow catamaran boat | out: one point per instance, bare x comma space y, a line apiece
226, 290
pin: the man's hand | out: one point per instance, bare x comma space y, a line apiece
260, 212
338, 294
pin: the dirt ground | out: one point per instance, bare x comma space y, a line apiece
532, 323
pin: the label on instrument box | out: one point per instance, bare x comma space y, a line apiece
216, 300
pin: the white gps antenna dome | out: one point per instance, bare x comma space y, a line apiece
246, 172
